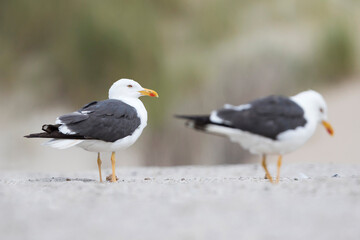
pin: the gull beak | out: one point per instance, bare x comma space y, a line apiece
328, 127
149, 92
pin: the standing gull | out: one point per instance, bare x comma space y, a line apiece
270, 125
102, 126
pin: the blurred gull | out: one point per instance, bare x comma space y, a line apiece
270, 125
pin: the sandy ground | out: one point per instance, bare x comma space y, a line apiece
312, 201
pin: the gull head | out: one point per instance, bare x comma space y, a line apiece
128, 88
315, 107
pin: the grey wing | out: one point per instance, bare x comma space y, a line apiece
267, 117
107, 120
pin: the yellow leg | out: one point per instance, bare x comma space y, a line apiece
113, 176
266, 170
99, 165
278, 168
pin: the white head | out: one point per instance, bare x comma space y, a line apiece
314, 106
127, 88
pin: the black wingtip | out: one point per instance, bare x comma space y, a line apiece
192, 117
195, 120
34, 135
49, 128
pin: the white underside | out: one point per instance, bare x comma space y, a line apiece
288, 141
96, 145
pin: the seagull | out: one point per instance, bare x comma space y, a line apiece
274, 125
102, 126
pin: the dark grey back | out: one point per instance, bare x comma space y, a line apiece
107, 120
267, 116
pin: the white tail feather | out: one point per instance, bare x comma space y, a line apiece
62, 143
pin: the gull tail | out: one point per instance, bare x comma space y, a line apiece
58, 140
204, 124
198, 122
50, 131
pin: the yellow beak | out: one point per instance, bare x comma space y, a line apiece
328, 127
149, 92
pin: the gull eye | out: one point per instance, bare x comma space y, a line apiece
129, 86
321, 110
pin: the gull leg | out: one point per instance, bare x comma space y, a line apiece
266, 170
99, 165
278, 168
113, 176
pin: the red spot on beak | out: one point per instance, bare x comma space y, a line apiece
148, 92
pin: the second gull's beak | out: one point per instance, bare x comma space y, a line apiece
328, 127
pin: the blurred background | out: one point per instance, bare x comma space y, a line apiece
56, 56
